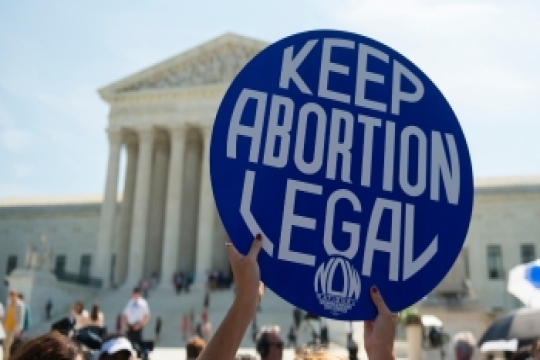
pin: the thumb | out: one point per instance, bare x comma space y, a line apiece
255, 247
379, 301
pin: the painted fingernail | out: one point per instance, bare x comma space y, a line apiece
374, 289
258, 237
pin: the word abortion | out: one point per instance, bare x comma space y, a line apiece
342, 122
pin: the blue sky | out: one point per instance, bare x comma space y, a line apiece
55, 55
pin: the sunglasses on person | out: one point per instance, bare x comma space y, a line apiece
279, 345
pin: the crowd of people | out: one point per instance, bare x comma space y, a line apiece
60, 344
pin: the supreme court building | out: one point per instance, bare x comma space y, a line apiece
163, 218
163, 116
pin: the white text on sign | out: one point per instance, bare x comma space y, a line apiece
280, 149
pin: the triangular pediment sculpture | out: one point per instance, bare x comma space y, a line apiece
217, 61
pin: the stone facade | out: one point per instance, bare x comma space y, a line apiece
506, 216
165, 219
70, 225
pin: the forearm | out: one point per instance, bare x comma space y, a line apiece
225, 342
381, 354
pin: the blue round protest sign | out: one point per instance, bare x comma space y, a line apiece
351, 164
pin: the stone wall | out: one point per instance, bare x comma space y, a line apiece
505, 214
70, 226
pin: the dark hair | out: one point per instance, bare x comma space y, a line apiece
521, 355
137, 290
17, 342
94, 314
78, 307
194, 347
262, 345
262, 340
51, 346
119, 355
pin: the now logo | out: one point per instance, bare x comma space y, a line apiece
325, 276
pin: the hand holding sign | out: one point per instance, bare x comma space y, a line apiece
379, 334
351, 164
246, 272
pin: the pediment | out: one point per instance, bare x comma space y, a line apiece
217, 61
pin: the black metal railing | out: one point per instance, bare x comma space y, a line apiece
78, 279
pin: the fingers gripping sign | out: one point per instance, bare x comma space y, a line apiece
379, 333
246, 270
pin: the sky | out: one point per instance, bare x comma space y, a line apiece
54, 56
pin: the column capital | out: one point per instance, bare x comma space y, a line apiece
116, 136
177, 131
130, 139
145, 133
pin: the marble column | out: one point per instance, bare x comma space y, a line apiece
140, 207
190, 202
126, 211
206, 215
108, 209
173, 209
158, 198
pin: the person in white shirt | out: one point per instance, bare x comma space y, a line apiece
135, 316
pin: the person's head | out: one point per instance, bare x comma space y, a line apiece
116, 348
78, 307
463, 350
521, 355
136, 293
269, 343
13, 296
194, 347
20, 296
94, 314
16, 344
51, 346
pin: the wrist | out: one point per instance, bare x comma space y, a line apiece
248, 303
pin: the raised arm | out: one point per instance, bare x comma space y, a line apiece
225, 342
379, 334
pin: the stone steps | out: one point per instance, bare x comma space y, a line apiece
170, 307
